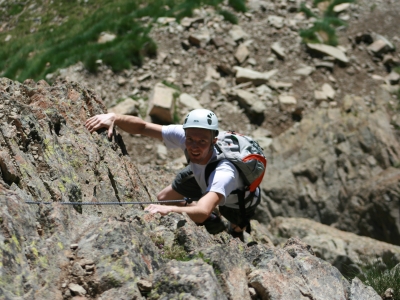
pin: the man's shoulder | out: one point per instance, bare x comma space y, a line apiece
173, 129
222, 164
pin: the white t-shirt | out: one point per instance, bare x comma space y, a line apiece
223, 180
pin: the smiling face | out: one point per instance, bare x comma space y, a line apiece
199, 144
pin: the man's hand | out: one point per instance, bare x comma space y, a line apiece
198, 213
101, 121
156, 208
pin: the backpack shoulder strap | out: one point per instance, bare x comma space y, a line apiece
210, 168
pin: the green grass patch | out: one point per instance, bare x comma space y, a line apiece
50, 35
238, 5
324, 27
171, 85
381, 277
228, 16
16, 9
175, 252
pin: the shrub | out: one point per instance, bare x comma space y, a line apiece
228, 16
43, 47
381, 277
324, 27
238, 5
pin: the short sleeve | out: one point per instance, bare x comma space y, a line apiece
225, 179
173, 136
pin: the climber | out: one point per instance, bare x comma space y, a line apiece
197, 138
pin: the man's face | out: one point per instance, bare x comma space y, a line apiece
199, 145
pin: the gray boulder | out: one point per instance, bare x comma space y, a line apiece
338, 167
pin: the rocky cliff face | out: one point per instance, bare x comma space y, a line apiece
329, 129
47, 152
339, 166
60, 252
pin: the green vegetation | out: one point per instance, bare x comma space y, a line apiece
171, 85
48, 35
238, 5
228, 16
175, 252
324, 27
380, 278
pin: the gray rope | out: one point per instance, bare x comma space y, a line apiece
106, 203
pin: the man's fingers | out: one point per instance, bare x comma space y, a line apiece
90, 122
110, 130
94, 125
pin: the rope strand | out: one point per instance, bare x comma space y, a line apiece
106, 203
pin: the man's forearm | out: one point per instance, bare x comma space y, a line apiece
198, 213
136, 125
130, 124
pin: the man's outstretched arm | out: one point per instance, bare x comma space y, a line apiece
198, 213
127, 123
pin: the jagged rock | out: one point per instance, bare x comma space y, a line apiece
320, 96
106, 37
276, 21
188, 22
50, 129
261, 132
252, 61
237, 33
279, 85
76, 289
144, 285
201, 38
144, 77
304, 71
259, 5
258, 78
390, 60
378, 47
393, 78
113, 246
278, 50
242, 53
161, 103
263, 91
341, 7
218, 41
346, 181
359, 291
121, 80
251, 103
329, 50
187, 82
161, 57
187, 279
393, 89
287, 102
291, 266
328, 91
324, 64
126, 107
170, 39
388, 294
162, 152
189, 101
344, 250
211, 74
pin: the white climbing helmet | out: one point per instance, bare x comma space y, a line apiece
201, 118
